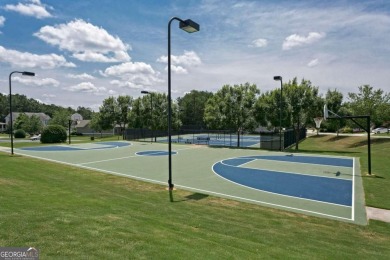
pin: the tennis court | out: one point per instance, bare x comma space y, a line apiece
220, 140
323, 186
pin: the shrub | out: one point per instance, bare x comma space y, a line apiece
20, 133
53, 134
346, 130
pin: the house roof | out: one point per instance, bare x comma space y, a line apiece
82, 123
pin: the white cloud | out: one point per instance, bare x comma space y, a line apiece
125, 84
296, 40
35, 9
313, 63
189, 58
129, 68
180, 64
112, 92
86, 87
29, 60
177, 69
37, 81
136, 74
48, 95
259, 43
86, 41
83, 76
2, 20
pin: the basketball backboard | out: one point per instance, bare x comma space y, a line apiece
326, 112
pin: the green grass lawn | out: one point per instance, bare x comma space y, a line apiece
73, 213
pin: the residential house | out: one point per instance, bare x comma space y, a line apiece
83, 127
3, 127
42, 116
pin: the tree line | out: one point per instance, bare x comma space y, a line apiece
241, 107
22, 104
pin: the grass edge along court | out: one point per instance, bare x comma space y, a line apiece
72, 212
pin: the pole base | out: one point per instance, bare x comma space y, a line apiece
171, 186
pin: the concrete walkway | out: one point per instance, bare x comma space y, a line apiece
378, 214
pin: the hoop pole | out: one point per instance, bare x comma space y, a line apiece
367, 129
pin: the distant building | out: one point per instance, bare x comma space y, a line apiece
3, 127
83, 127
42, 116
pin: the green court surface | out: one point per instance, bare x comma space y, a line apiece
322, 186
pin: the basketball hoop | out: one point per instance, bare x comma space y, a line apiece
318, 121
326, 112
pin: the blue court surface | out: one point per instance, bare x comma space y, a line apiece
322, 186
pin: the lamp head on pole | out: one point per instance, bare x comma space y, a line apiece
189, 26
145, 92
278, 78
27, 73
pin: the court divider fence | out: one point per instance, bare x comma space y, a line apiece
225, 138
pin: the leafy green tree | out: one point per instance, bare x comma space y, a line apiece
115, 112
135, 118
334, 102
85, 112
160, 112
34, 125
232, 107
60, 117
154, 116
270, 110
108, 113
96, 123
375, 103
124, 106
192, 106
21, 121
302, 104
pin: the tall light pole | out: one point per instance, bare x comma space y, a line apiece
190, 27
151, 110
25, 73
279, 78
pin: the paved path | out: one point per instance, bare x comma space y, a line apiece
378, 214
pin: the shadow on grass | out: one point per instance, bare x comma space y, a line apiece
373, 141
337, 138
194, 196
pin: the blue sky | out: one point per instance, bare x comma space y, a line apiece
85, 51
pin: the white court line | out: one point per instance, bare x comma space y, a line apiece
133, 156
92, 168
336, 166
107, 160
263, 202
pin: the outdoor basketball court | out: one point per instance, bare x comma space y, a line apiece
323, 186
